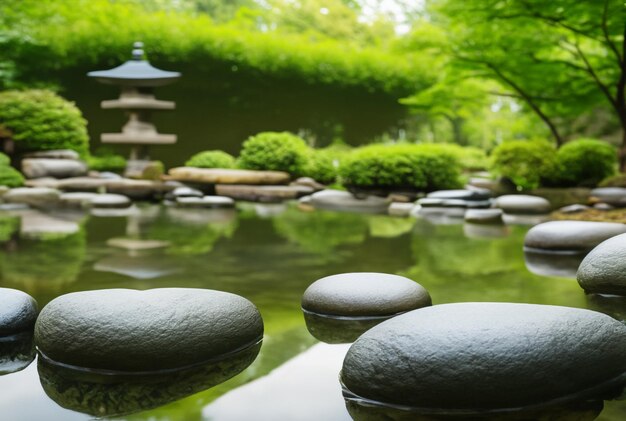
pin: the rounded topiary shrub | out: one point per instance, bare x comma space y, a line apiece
585, 162
321, 166
526, 163
275, 151
42, 120
10, 177
420, 167
211, 159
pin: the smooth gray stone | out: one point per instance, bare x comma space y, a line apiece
135, 331
603, 206
576, 208
614, 196
462, 194
476, 357
18, 311
57, 168
400, 208
571, 235
256, 193
76, 199
38, 197
342, 201
484, 216
603, 270
54, 154
364, 294
522, 204
205, 202
109, 201
185, 192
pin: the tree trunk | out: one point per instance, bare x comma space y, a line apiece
622, 151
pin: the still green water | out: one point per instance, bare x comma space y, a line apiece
270, 254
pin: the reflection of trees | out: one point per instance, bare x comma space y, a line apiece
192, 238
9, 225
454, 268
45, 264
383, 226
321, 231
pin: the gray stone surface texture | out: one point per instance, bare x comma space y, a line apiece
130, 330
487, 356
363, 294
571, 235
523, 204
18, 311
603, 270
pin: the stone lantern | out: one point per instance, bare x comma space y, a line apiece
137, 80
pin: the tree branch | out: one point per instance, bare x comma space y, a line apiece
603, 87
607, 37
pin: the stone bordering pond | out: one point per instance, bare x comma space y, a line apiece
456, 358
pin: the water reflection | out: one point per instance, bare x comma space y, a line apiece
563, 265
339, 330
612, 305
16, 352
105, 396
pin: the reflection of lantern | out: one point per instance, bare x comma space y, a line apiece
137, 78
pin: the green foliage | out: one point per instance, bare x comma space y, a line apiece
585, 162
526, 163
92, 33
618, 180
9, 225
275, 151
321, 166
423, 167
4, 159
470, 158
211, 159
106, 160
10, 177
42, 120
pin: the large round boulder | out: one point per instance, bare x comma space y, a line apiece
522, 204
364, 294
142, 331
18, 312
603, 270
575, 236
471, 358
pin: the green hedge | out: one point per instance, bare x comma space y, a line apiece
424, 167
42, 120
585, 162
88, 34
274, 151
211, 159
525, 163
470, 158
105, 159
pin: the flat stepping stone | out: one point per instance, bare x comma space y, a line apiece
400, 208
364, 295
614, 196
573, 236
110, 201
58, 168
342, 201
576, 208
36, 225
18, 312
227, 176
76, 199
483, 358
603, 270
484, 216
54, 154
132, 244
130, 331
461, 194
185, 192
205, 202
37, 197
270, 194
522, 204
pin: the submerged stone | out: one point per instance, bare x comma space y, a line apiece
130, 331
576, 236
522, 204
18, 311
603, 270
342, 201
473, 358
364, 294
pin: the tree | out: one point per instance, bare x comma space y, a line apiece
562, 58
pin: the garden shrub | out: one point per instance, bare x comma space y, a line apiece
211, 159
470, 158
275, 151
421, 167
584, 162
618, 180
10, 177
323, 164
525, 163
105, 159
42, 120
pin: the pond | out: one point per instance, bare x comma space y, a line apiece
268, 254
